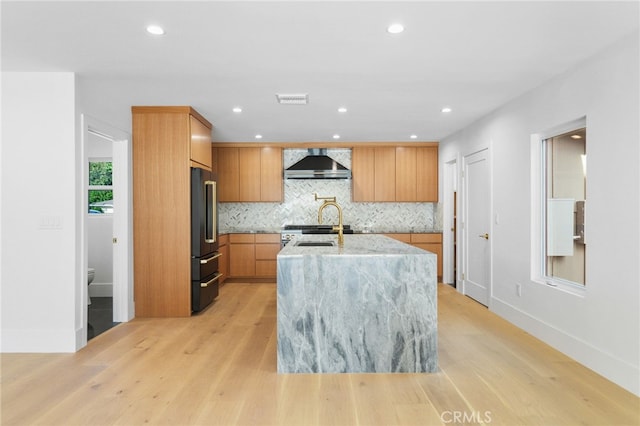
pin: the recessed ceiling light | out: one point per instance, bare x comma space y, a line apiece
413, 136
342, 109
237, 109
576, 137
336, 136
395, 28
446, 109
258, 136
155, 30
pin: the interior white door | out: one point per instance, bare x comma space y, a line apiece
123, 308
477, 214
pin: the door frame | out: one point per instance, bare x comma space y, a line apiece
449, 239
464, 237
123, 304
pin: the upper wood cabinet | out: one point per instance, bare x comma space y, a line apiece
165, 140
200, 143
427, 174
400, 174
363, 172
249, 174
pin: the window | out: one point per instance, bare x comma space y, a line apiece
100, 187
564, 164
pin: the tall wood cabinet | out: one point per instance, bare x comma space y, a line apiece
167, 141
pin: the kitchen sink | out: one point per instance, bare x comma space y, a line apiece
315, 243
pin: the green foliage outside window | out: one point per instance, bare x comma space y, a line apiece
100, 181
100, 173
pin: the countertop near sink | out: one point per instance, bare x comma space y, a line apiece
231, 230
354, 245
277, 230
368, 306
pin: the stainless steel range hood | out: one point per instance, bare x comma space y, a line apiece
317, 165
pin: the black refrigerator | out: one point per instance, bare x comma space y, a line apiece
204, 239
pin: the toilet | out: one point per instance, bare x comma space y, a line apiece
91, 273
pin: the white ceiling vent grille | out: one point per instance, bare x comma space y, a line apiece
293, 99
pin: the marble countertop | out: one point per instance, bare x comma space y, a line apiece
367, 307
354, 245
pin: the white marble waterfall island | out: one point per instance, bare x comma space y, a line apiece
369, 306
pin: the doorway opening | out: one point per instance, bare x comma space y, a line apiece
106, 231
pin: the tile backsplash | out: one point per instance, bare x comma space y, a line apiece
299, 206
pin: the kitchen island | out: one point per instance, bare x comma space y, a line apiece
368, 306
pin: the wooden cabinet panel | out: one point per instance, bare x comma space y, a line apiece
385, 174
362, 169
214, 160
253, 255
267, 251
242, 238
395, 173
266, 268
228, 175
406, 174
268, 239
249, 166
250, 174
162, 150
426, 238
200, 142
405, 238
427, 174
242, 260
223, 262
271, 181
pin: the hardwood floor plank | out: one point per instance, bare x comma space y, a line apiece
219, 368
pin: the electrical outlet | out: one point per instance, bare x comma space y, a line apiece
518, 289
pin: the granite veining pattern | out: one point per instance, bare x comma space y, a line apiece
370, 306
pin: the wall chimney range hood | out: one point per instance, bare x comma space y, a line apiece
317, 165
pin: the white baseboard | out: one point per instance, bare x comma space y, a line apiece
101, 290
606, 364
38, 341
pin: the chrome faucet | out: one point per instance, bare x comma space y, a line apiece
331, 201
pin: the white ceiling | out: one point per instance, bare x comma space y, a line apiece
472, 56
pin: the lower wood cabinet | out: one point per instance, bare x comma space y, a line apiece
253, 255
430, 242
223, 262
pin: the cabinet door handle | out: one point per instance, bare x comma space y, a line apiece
215, 256
485, 236
216, 278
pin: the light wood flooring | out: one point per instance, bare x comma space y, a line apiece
219, 368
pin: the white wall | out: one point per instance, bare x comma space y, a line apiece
600, 328
39, 213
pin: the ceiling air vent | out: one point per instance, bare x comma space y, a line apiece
293, 99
